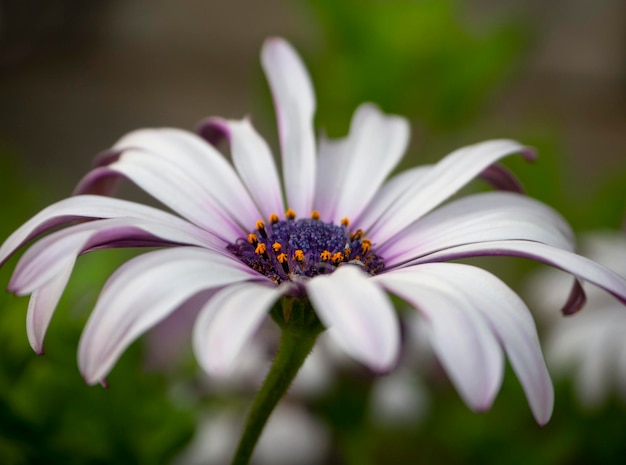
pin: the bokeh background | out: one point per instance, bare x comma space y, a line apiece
75, 76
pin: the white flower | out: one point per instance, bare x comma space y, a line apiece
590, 346
348, 237
291, 436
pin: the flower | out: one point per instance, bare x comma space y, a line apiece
342, 237
292, 436
588, 346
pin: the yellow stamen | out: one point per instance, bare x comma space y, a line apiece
325, 256
252, 239
337, 257
298, 255
290, 214
315, 215
358, 234
345, 222
276, 247
366, 245
260, 225
347, 251
273, 218
282, 258
260, 248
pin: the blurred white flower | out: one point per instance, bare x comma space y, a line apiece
590, 346
292, 436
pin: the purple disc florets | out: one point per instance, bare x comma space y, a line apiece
308, 247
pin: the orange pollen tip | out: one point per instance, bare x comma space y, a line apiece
337, 257
282, 258
315, 215
260, 225
345, 222
347, 251
252, 239
358, 234
366, 241
290, 214
365, 247
276, 246
273, 218
325, 255
260, 248
298, 255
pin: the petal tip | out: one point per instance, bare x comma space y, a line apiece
214, 130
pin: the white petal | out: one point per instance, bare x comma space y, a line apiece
445, 178
41, 307
202, 163
371, 151
332, 162
478, 218
579, 266
49, 256
254, 162
388, 195
294, 101
172, 186
359, 315
90, 207
143, 292
228, 321
512, 324
39, 265
460, 336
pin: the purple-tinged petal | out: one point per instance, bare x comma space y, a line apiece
581, 267
478, 218
41, 307
143, 292
44, 260
183, 160
168, 183
373, 148
359, 315
92, 207
212, 131
501, 178
228, 321
201, 162
294, 101
254, 162
460, 336
510, 321
576, 300
388, 195
443, 180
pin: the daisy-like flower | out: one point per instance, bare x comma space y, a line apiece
340, 239
589, 347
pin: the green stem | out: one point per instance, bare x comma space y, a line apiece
296, 343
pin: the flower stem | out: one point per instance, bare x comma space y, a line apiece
300, 329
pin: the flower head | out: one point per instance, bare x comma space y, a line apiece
343, 237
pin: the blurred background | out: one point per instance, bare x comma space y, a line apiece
75, 76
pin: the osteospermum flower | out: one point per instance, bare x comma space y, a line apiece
342, 237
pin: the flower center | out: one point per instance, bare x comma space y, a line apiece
284, 249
